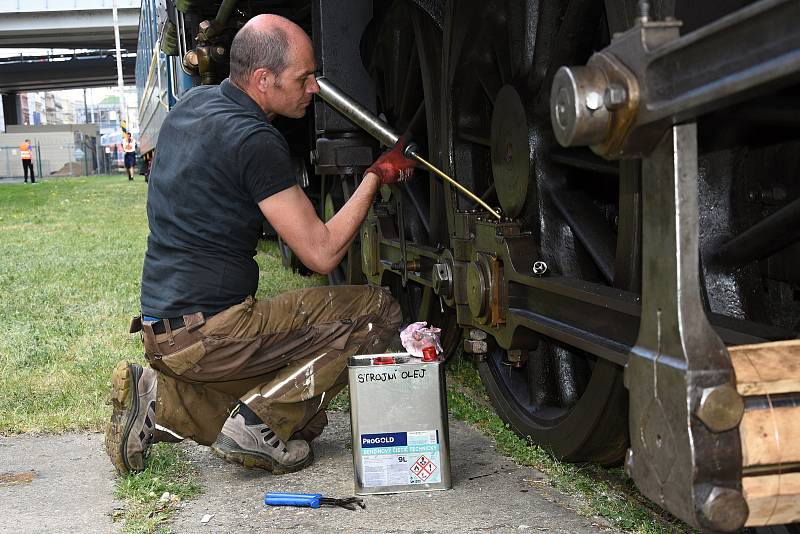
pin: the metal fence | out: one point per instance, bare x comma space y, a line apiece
67, 159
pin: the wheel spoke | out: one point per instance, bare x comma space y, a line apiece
521, 35
571, 371
411, 93
490, 84
417, 122
416, 202
479, 137
541, 377
590, 228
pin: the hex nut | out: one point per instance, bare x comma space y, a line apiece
615, 96
474, 346
725, 509
478, 334
721, 408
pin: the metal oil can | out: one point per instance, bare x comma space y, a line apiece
398, 413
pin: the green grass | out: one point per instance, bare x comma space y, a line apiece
71, 254
153, 495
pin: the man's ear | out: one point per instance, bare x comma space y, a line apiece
263, 79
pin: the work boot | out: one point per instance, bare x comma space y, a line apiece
131, 430
247, 440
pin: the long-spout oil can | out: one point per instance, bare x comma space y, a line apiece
398, 413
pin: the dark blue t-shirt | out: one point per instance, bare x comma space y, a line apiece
217, 156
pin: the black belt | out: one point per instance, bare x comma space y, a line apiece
174, 323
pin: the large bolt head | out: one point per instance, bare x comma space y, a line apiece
615, 96
577, 109
721, 408
725, 509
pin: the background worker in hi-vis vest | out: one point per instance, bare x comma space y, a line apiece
129, 147
26, 153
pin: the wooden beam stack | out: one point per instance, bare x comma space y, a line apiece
768, 377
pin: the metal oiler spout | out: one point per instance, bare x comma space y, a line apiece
385, 134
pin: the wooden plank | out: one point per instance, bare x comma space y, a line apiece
770, 436
773, 499
777, 367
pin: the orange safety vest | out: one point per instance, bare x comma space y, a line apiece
129, 147
25, 151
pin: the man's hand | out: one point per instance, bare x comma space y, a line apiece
392, 166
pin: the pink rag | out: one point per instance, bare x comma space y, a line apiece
418, 336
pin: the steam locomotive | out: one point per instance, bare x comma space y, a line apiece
636, 301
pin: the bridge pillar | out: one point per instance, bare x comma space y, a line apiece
11, 109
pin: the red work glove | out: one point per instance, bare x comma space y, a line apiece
393, 166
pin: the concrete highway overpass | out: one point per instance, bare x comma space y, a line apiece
64, 72
76, 24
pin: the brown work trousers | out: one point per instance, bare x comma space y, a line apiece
285, 357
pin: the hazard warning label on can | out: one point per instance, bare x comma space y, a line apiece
400, 458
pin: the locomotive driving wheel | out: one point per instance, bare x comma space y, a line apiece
471, 84
499, 61
499, 58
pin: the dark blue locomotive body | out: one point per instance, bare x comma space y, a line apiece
160, 78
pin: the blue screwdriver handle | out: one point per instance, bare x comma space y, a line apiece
311, 500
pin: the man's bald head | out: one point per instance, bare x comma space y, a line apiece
272, 61
265, 42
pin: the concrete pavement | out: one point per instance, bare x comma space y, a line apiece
71, 490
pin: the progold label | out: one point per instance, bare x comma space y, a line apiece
393, 439
400, 458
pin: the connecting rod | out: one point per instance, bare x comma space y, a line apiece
385, 134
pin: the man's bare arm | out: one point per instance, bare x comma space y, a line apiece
319, 245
